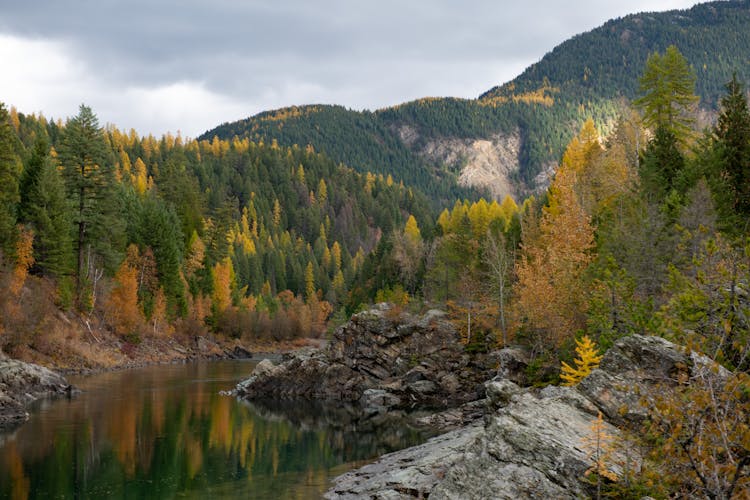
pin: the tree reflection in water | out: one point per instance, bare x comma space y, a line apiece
166, 431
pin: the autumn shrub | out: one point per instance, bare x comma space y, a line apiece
122, 309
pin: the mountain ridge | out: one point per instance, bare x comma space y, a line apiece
588, 75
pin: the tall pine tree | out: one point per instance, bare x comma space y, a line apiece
89, 178
10, 170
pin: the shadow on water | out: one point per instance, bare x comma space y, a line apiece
165, 431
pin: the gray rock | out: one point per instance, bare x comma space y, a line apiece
499, 392
532, 443
512, 363
419, 360
265, 368
453, 418
423, 387
410, 473
378, 401
630, 368
22, 383
531, 448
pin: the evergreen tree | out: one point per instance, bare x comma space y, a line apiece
662, 166
10, 169
45, 207
733, 144
154, 225
668, 93
89, 179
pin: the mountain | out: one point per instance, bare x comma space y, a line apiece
508, 140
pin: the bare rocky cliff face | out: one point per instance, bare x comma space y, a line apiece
531, 443
486, 163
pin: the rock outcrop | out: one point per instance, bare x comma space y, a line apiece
21, 384
487, 163
383, 359
532, 442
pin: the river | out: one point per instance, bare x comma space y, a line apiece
166, 432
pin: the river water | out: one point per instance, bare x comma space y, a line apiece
166, 432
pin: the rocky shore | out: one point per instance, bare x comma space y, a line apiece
530, 443
21, 384
383, 359
501, 439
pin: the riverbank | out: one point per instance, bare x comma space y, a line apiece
83, 352
32, 373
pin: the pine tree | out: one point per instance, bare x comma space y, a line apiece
599, 446
44, 206
549, 298
588, 359
89, 179
411, 229
24, 255
662, 167
10, 170
309, 282
154, 225
223, 281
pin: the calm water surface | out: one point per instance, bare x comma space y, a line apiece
165, 432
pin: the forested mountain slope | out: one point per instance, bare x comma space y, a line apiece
152, 235
509, 139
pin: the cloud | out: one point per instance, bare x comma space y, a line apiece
191, 64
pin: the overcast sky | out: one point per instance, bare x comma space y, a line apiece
190, 65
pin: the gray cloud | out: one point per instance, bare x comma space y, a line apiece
243, 57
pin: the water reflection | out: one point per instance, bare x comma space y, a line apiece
165, 432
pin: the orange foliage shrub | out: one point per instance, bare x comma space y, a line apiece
122, 305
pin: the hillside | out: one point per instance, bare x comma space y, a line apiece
509, 138
157, 236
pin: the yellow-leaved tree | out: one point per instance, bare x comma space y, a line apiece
551, 302
223, 283
588, 358
599, 445
125, 314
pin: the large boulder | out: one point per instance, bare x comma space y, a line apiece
631, 368
410, 473
21, 384
533, 443
407, 360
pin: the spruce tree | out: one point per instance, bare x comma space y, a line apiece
733, 145
10, 169
45, 207
662, 165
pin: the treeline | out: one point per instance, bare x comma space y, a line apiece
153, 235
